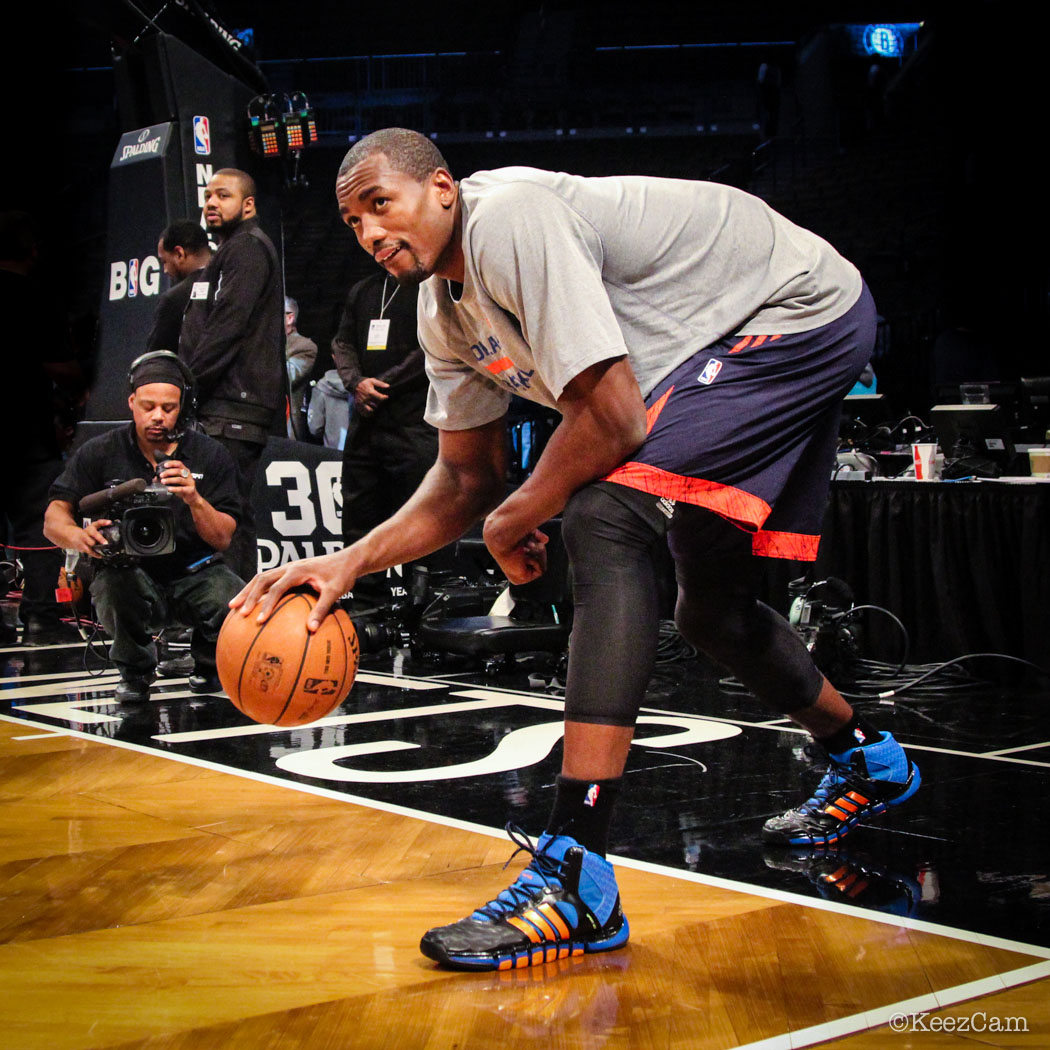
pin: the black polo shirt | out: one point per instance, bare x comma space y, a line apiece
115, 456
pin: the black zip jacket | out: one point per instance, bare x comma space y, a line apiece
233, 339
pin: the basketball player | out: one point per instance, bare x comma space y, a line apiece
698, 346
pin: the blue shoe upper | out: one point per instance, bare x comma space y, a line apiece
597, 887
885, 760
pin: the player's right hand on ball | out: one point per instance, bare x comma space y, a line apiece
323, 575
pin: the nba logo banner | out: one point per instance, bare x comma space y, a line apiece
201, 136
712, 368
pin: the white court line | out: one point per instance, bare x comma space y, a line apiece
95, 685
1012, 750
787, 1041
69, 676
378, 678
40, 648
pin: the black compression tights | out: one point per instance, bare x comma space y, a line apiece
611, 533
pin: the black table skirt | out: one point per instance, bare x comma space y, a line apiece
965, 566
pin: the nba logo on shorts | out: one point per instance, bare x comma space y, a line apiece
201, 136
712, 368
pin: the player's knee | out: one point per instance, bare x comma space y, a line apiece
721, 624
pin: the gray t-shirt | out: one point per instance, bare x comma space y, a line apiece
563, 272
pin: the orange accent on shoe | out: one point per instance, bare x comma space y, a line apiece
526, 928
552, 916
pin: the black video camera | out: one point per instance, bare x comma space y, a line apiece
143, 521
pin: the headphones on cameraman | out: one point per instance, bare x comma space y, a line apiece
187, 417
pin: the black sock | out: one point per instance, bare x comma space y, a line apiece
855, 733
583, 810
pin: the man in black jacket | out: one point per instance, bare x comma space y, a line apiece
233, 340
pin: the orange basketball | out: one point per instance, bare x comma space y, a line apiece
280, 674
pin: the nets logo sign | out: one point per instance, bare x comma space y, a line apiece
201, 136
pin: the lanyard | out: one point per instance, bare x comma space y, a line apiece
384, 301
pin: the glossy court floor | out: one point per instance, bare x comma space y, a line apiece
174, 876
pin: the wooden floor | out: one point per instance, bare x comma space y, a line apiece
150, 903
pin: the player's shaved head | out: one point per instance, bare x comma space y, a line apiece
407, 152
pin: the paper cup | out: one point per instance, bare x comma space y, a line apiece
1039, 462
923, 456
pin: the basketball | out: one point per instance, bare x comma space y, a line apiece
280, 674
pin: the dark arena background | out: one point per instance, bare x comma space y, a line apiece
176, 876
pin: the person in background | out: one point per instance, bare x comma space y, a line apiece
184, 250
232, 339
328, 416
136, 596
300, 354
389, 447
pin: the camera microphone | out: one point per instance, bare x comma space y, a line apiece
97, 501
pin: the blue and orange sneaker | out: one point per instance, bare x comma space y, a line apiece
565, 903
860, 783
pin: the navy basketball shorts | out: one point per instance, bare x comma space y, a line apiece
748, 428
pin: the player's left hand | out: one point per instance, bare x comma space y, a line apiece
179, 480
521, 561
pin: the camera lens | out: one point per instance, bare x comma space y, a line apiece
146, 533
149, 531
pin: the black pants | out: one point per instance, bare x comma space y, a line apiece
133, 607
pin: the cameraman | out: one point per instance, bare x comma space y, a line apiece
136, 596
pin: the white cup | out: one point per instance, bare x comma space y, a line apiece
924, 456
1039, 462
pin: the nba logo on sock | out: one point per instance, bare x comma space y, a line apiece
858, 735
711, 369
591, 798
201, 136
